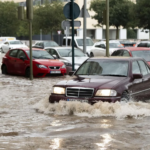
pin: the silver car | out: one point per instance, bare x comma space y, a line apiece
65, 55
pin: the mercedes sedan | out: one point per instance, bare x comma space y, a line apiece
106, 79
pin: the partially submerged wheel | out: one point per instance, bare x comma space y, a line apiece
27, 72
125, 97
91, 55
4, 69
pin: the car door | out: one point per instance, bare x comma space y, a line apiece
137, 88
5, 47
11, 60
145, 69
21, 62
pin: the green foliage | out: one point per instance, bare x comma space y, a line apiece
143, 13
131, 34
119, 12
48, 17
9, 22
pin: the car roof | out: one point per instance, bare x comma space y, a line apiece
27, 49
135, 49
116, 58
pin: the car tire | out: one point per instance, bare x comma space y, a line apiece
4, 69
125, 97
27, 73
2, 50
91, 54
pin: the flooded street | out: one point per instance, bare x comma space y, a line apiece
29, 122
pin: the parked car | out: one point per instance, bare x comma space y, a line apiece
78, 43
142, 52
143, 44
127, 43
99, 48
7, 45
45, 44
65, 55
17, 61
106, 79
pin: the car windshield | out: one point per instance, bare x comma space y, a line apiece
67, 52
143, 54
15, 42
104, 68
88, 42
40, 54
115, 45
50, 44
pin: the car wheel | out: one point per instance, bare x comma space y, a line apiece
2, 50
91, 55
27, 72
4, 69
125, 97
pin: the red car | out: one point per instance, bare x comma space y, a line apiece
142, 52
17, 61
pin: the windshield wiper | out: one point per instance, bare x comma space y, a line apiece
113, 75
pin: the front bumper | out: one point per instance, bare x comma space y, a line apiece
56, 98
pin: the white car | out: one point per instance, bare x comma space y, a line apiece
7, 45
99, 48
65, 55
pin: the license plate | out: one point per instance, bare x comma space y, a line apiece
55, 72
79, 100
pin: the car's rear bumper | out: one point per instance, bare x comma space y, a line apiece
56, 98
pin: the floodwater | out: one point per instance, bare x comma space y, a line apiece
29, 122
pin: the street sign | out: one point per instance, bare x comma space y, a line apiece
67, 23
87, 15
67, 10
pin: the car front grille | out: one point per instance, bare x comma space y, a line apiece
79, 92
54, 67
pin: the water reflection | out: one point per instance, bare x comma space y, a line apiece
105, 123
105, 141
55, 143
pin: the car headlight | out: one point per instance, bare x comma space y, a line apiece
58, 90
106, 92
63, 66
41, 66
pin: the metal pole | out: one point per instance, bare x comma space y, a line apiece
84, 28
107, 28
72, 14
30, 38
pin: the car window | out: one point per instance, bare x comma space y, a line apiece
126, 53
88, 42
15, 42
13, 53
50, 44
142, 53
143, 67
41, 44
135, 68
6, 43
37, 44
142, 45
67, 52
53, 52
148, 44
117, 53
21, 53
148, 69
115, 45
102, 46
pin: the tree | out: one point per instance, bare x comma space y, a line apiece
8, 19
142, 13
48, 17
119, 13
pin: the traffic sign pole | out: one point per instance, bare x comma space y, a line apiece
72, 14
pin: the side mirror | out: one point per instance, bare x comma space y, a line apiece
137, 76
71, 73
55, 56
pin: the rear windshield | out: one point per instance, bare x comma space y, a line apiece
142, 54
